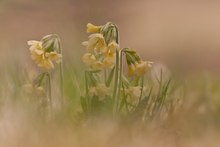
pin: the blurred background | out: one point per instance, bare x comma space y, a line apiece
182, 34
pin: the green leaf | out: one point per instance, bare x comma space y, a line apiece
125, 81
84, 104
40, 79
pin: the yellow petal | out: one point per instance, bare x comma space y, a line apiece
48, 64
92, 91
93, 29
112, 47
102, 91
97, 65
134, 93
96, 43
35, 45
99, 90
32, 42
53, 56
131, 70
88, 59
85, 43
109, 60
37, 51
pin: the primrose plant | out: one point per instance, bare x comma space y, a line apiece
107, 89
45, 53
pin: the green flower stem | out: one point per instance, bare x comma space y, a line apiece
142, 88
61, 73
87, 91
49, 91
61, 83
116, 81
117, 75
119, 81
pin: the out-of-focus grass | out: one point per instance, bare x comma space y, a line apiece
193, 122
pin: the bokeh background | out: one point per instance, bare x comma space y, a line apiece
182, 34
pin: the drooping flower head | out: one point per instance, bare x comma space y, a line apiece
96, 43
142, 67
136, 66
101, 46
43, 53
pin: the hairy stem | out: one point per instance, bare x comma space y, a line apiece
61, 73
49, 91
116, 81
118, 71
142, 88
119, 81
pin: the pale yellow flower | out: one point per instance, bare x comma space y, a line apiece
96, 43
135, 92
131, 70
53, 56
85, 43
98, 65
112, 47
93, 29
109, 60
89, 59
143, 67
139, 69
43, 59
102, 90
35, 45
92, 91
99, 90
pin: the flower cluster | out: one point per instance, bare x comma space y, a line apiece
136, 66
105, 62
42, 57
99, 90
101, 47
139, 68
107, 88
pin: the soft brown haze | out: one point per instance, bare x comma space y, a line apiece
184, 35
